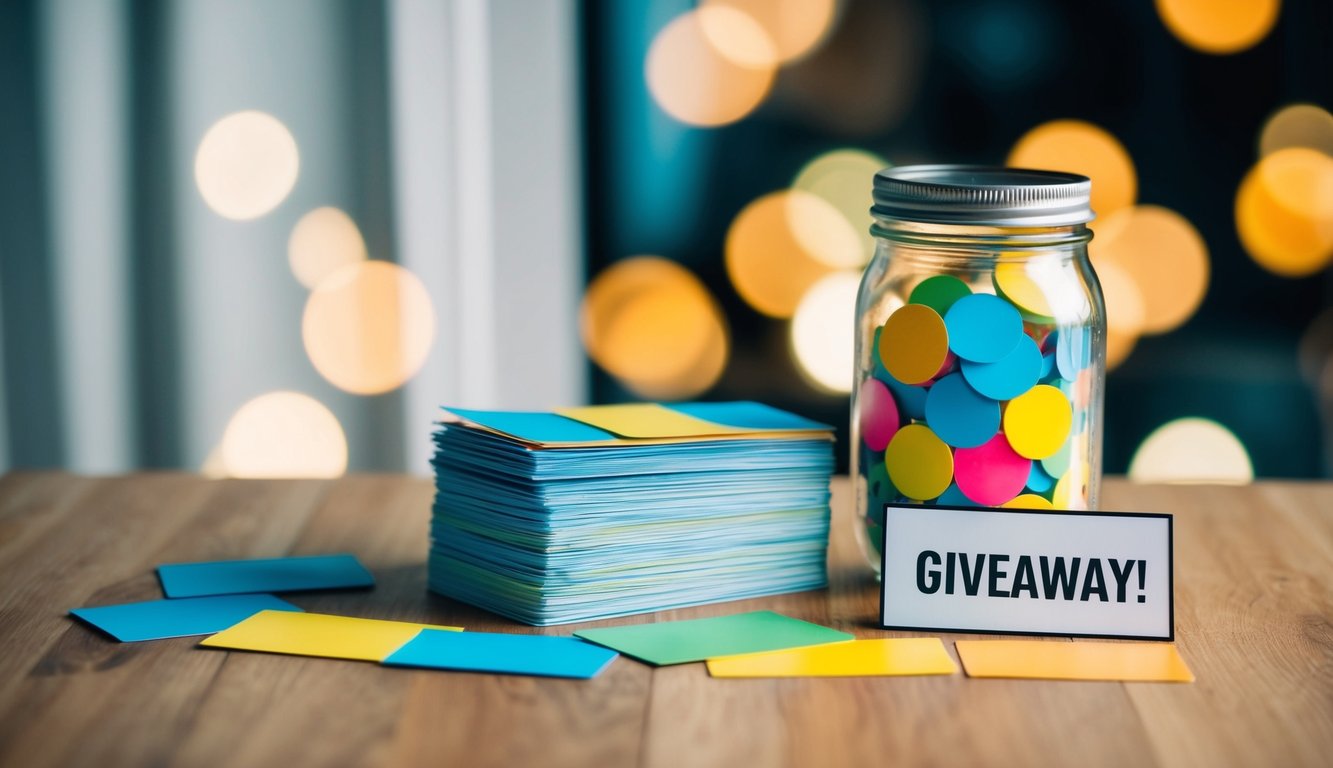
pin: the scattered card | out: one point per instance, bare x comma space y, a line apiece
318, 634
1048, 660
508, 654
859, 658
679, 642
160, 619
281, 574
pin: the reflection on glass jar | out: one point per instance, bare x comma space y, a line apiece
980, 345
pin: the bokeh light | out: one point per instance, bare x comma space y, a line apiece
1298, 125
281, 434
651, 324
1164, 255
1080, 147
691, 78
324, 240
1191, 450
1284, 211
794, 27
843, 178
368, 327
780, 244
1124, 311
823, 331
246, 164
1219, 26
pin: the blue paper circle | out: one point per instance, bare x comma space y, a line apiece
1073, 352
952, 497
911, 400
983, 328
1047, 365
958, 415
1007, 378
1038, 480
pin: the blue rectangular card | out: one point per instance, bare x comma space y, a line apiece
159, 619
282, 574
506, 654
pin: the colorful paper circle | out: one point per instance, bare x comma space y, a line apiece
1073, 352
914, 344
953, 497
1008, 377
1057, 463
1028, 501
1038, 421
939, 292
958, 415
1015, 283
983, 328
1047, 365
1038, 480
919, 463
990, 474
911, 400
878, 412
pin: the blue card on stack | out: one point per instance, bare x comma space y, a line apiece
589, 513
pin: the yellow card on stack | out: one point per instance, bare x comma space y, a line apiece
858, 658
319, 634
648, 420
1042, 660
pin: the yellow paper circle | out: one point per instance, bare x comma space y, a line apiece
1028, 501
913, 344
919, 463
1038, 421
1015, 284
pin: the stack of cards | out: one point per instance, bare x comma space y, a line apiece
588, 513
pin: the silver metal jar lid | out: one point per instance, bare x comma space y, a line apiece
982, 195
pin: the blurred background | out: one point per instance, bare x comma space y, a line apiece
269, 239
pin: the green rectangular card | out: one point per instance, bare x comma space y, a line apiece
680, 642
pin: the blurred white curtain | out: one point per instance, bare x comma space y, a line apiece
447, 129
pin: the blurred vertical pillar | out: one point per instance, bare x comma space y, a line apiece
85, 110
32, 421
319, 67
485, 105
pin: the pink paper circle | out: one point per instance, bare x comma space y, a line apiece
879, 414
992, 473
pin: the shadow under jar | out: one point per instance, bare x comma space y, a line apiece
980, 345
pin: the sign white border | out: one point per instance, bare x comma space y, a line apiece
1017, 517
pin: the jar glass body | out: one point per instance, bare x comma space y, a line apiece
1044, 274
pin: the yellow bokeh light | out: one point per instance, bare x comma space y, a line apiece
1284, 211
281, 434
1164, 255
1079, 147
652, 324
843, 178
692, 81
246, 165
822, 331
1298, 125
323, 241
794, 27
368, 327
1191, 450
780, 244
1124, 311
1219, 26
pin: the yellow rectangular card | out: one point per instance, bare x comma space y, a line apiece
858, 658
1046, 660
647, 420
318, 634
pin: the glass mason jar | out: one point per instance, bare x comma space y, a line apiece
980, 345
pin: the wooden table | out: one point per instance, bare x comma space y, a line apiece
1254, 597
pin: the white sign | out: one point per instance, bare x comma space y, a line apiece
1074, 574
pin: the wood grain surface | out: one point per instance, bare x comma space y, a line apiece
1254, 619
